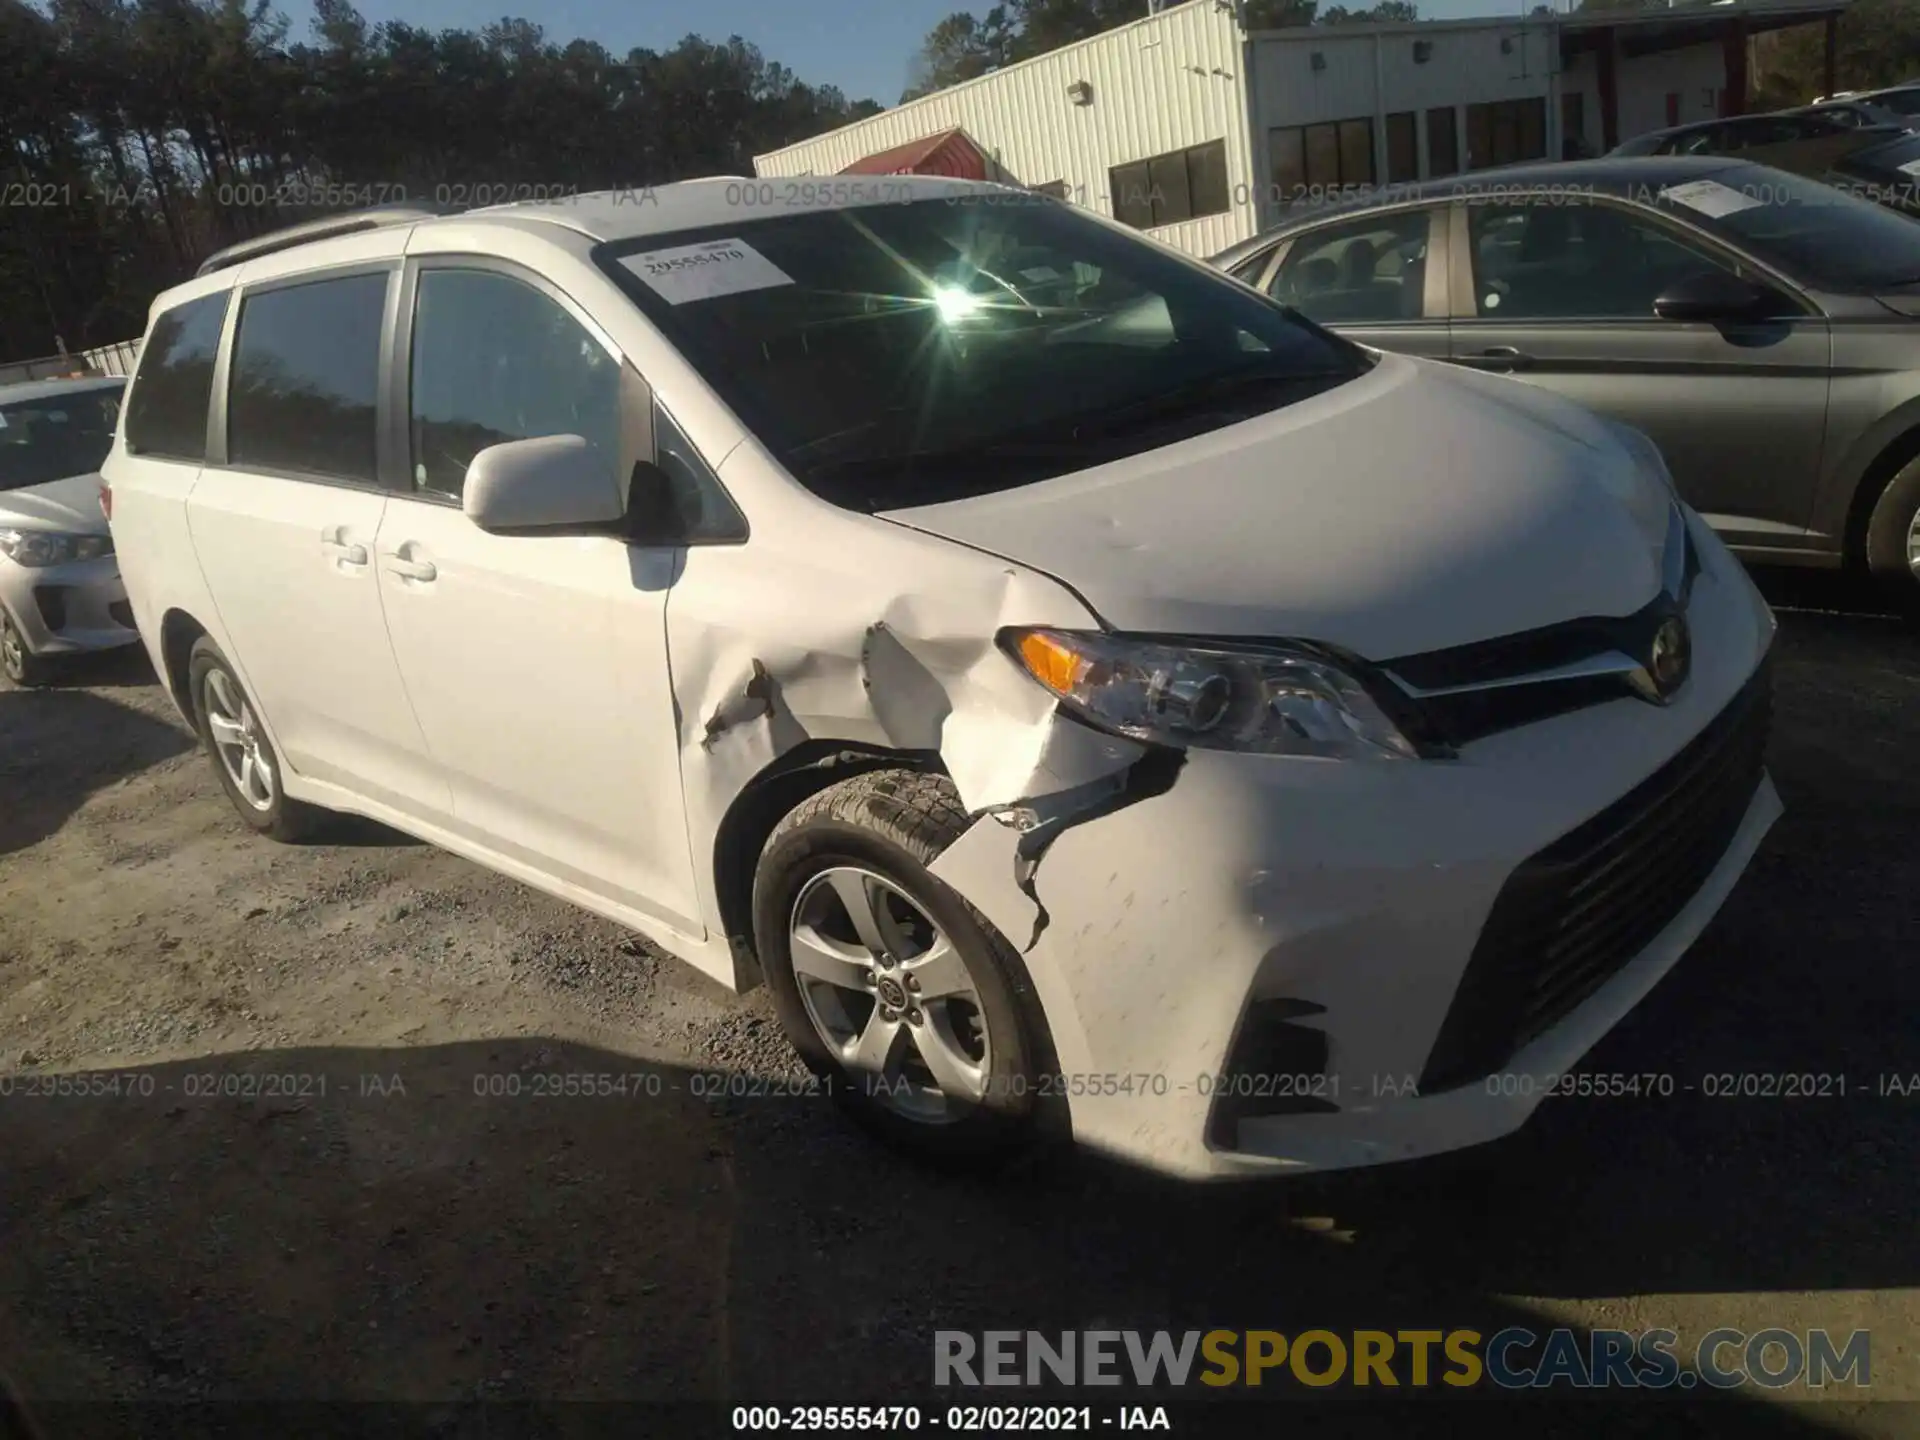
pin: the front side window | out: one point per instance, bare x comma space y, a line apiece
1557, 261
167, 409
495, 360
1372, 269
57, 436
893, 355
306, 378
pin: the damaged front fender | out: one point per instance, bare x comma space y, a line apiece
774, 649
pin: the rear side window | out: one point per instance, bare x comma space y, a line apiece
306, 378
167, 409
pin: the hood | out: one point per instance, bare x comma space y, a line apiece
71, 505
1418, 507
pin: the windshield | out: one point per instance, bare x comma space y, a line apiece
1821, 236
896, 355
56, 436
1901, 102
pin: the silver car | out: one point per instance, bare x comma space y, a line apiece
60, 589
1763, 329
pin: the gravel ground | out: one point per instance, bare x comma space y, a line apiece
401, 1236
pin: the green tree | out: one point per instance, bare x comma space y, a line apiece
147, 132
1877, 43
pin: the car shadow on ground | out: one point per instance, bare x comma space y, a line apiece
449, 1224
42, 731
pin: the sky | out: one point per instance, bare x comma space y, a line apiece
863, 46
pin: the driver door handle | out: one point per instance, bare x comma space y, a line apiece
1511, 357
405, 566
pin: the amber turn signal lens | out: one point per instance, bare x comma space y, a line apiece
1050, 660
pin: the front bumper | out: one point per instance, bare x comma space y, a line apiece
61, 609
1336, 906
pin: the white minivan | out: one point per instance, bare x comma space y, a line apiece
1093, 698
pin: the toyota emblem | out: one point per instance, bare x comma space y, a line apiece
1670, 657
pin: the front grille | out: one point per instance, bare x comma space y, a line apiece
122, 613
52, 601
1574, 914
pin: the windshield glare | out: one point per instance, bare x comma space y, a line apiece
1815, 233
56, 436
894, 355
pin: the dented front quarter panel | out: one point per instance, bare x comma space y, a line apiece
788, 639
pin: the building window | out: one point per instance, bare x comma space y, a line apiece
1505, 131
1312, 159
1403, 148
1443, 142
1180, 185
1673, 107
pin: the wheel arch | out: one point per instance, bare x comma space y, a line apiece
770, 797
178, 631
1885, 453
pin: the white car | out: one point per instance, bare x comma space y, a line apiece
60, 591
1247, 750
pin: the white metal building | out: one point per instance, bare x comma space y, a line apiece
1187, 125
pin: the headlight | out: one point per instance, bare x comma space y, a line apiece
1284, 699
38, 548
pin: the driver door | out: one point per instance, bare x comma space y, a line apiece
537, 664
1561, 295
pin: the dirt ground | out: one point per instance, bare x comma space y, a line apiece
314, 1157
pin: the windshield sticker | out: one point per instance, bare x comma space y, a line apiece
706, 271
1040, 273
1912, 167
1709, 197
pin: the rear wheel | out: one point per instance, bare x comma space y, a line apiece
913, 1010
21, 665
1893, 539
243, 757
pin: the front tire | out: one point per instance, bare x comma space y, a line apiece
243, 757
21, 665
916, 1014
1893, 539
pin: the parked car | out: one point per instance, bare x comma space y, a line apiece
1161, 731
1860, 115
60, 590
1798, 141
1760, 327
1903, 100
1887, 173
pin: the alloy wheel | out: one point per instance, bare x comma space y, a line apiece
890, 995
238, 741
1913, 545
13, 650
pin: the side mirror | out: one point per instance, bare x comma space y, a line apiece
551, 485
654, 515
1717, 297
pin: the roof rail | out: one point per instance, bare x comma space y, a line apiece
325, 228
